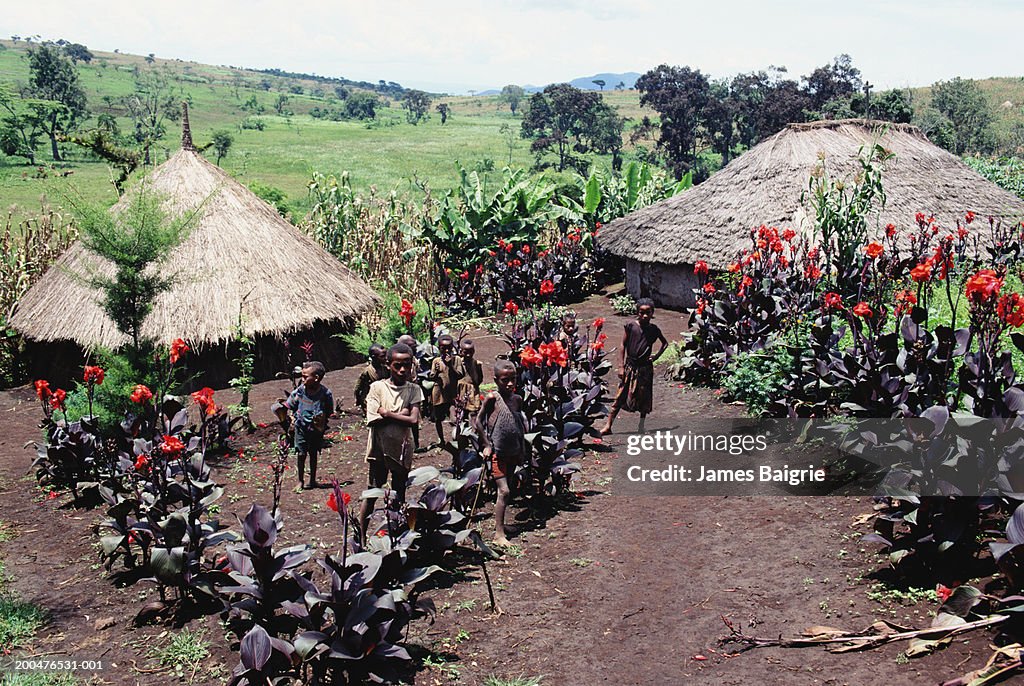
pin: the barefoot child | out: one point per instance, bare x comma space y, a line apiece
312, 403
502, 431
636, 365
392, 410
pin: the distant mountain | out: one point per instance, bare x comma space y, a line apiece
585, 83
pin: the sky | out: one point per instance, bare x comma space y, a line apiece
457, 46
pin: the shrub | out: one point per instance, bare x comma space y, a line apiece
757, 378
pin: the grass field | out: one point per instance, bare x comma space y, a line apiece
388, 153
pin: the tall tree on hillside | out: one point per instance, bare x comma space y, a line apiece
78, 52
22, 124
149, 106
563, 119
512, 95
963, 104
681, 96
221, 143
600, 83
416, 105
53, 77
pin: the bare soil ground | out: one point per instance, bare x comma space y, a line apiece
610, 590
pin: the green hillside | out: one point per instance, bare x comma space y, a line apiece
386, 153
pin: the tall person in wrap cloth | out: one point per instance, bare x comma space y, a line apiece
392, 410
636, 365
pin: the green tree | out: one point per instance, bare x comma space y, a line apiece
512, 95
564, 119
136, 240
600, 83
839, 80
681, 96
78, 52
416, 105
53, 77
149, 106
963, 104
444, 110
22, 124
222, 141
893, 105
361, 105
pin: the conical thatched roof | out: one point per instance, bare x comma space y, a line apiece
240, 256
712, 221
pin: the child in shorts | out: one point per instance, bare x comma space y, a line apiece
392, 410
502, 431
312, 403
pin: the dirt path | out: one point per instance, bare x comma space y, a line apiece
613, 590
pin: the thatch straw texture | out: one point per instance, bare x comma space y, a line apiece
240, 256
712, 222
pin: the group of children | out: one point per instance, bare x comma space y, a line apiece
389, 394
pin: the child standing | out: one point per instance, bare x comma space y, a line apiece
312, 403
636, 365
376, 369
445, 376
471, 375
502, 431
392, 410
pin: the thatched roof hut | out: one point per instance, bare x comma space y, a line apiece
240, 257
712, 221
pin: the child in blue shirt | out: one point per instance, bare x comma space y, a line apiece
312, 403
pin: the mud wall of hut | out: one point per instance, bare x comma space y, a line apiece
668, 285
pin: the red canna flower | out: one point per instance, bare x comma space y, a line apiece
406, 312
969, 217
983, 286
734, 267
43, 389
554, 353
178, 349
511, 308
922, 272
700, 267
599, 343
332, 501
530, 357
873, 250
709, 288
526, 250
172, 446
943, 592
141, 463
833, 301
57, 399
861, 309
599, 323
547, 287
464, 276
93, 375
905, 301
701, 306
788, 234
812, 272
204, 399
1011, 309
962, 233
141, 394
509, 247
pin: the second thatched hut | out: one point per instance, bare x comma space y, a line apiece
712, 221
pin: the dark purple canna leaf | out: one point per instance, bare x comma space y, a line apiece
255, 649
